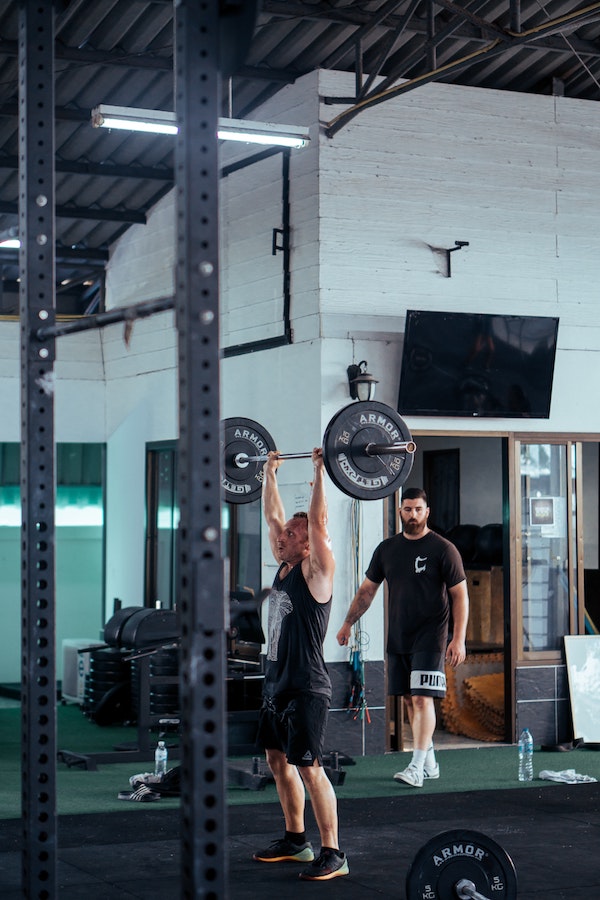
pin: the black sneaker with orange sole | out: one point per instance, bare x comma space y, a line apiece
328, 864
285, 851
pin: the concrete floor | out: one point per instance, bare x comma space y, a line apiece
551, 834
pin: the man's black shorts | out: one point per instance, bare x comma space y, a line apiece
421, 674
295, 726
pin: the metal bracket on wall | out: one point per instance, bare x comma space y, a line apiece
275, 247
458, 245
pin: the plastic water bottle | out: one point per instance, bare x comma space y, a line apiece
526, 756
160, 759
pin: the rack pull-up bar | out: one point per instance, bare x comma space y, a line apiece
110, 317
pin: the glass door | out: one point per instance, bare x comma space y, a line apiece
547, 557
162, 523
241, 527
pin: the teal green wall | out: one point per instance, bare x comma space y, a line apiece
79, 592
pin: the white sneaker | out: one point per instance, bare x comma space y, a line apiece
144, 778
411, 776
431, 771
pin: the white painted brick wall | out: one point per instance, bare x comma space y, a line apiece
141, 265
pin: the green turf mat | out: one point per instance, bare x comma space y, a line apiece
87, 791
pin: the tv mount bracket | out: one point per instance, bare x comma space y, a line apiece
458, 245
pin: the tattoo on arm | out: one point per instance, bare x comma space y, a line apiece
359, 605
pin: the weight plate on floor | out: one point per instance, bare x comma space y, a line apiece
243, 483
453, 855
349, 466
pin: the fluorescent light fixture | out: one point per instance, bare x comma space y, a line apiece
155, 121
161, 122
9, 238
262, 133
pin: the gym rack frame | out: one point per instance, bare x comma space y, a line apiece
203, 645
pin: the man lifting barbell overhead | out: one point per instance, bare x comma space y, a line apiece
425, 578
297, 687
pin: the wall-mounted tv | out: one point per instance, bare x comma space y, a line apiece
477, 364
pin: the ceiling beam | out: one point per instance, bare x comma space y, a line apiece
86, 55
531, 37
71, 256
108, 169
352, 15
495, 31
129, 216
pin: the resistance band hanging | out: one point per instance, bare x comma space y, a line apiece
357, 700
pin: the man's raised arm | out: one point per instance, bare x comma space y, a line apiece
321, 562
273, 510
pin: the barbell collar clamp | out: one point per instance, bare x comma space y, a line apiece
390, 449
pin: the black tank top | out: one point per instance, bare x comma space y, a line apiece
297, 628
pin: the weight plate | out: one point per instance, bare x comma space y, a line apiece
164, 690
102, 684
243, 483
441, 863
345, 441
105, 654
109, 666
158, 671
165, 658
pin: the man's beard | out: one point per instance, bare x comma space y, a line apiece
414, 527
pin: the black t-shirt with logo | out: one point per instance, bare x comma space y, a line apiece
418, 573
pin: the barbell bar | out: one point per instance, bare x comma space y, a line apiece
368, 453
370, 450
466, 890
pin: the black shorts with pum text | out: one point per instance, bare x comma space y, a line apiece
419, 674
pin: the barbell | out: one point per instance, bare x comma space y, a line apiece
461, 865
368, 453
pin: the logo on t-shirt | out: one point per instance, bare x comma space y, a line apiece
420, 564
280, 606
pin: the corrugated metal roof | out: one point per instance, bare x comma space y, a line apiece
121, 52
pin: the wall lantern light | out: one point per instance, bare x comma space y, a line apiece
360, 382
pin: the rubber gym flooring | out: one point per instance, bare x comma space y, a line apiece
552, 835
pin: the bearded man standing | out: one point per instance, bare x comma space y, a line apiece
426, 582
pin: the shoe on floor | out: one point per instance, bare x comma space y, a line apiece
411, 776
144, 778
328, 864
142, 794
285, 851
431, 771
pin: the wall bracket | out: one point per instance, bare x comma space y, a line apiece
458, 245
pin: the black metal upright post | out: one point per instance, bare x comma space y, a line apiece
201, 602
37, 306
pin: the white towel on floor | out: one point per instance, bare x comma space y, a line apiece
568, 776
